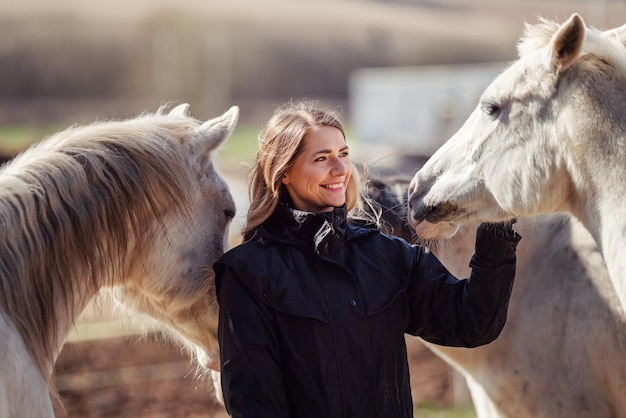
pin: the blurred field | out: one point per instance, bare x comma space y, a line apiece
78, 60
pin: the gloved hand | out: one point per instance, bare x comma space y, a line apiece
502, 230
496, 241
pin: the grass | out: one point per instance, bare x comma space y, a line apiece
17, 137
427, 410
242, 145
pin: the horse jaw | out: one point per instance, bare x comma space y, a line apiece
449, 187
201, 342
453, 196
150, 313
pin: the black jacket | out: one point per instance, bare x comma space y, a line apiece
318, 331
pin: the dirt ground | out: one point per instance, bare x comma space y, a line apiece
145, 377
131, 377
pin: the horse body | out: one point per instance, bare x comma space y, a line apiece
133, 207
560, 353
548, 136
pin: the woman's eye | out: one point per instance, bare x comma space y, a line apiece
320, 158
491, 109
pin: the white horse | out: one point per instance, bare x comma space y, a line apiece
548, 135
133, 206
560, 353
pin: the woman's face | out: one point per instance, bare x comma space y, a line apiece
318, 178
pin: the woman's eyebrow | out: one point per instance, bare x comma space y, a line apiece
327, 151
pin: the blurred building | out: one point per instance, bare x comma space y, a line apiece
416, 108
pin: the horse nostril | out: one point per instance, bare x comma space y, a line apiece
425, 214
435, 213
429, 213
418, 211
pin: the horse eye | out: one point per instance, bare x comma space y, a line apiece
230, 213
490, 109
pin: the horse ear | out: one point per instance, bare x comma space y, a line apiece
180, 110
212, 133
567, 43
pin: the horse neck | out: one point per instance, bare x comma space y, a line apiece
49, 322
608, 227
66, 313
600, 207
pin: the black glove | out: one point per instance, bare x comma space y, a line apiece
502, 230
496, 241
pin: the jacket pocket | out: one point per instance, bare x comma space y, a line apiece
290, 297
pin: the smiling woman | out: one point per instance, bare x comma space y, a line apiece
315, 304
319, 175
280, 145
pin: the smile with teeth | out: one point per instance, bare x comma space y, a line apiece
333, 186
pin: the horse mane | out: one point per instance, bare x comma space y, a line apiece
70, 209
599, 47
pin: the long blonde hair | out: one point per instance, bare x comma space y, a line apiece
279, 144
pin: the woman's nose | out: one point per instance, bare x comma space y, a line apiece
339, 167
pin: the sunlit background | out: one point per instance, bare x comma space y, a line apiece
404, 74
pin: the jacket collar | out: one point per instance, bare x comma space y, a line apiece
291, 226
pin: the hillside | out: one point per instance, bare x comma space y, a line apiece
80, 59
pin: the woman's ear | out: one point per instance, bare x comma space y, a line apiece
284, 179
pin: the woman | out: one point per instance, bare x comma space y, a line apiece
315, 303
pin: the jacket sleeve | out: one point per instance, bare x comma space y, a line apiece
464, 313
252, 380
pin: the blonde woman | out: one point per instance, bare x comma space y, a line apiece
314, 304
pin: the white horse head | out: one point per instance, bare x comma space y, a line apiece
548, 135
565, 335
135, 207
179, 259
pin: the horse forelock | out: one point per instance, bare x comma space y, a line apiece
70, 206
536, 36
606, 48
